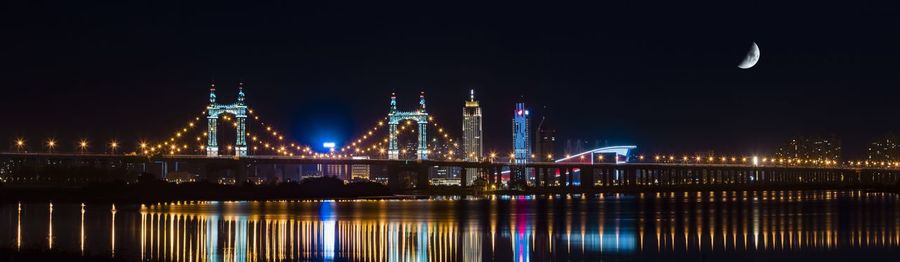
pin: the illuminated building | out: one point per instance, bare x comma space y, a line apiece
179, 177
239, 110
444, 176
473, 148
544, 140
359, 172
521, 143
884, 149
335, 170
545, 148
811, 148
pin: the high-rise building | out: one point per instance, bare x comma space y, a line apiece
544, 147
810, 148
885, 149
521, 145
472, 140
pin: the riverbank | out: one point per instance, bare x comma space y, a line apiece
157, 191
332, 188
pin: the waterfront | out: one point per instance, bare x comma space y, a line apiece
681, 226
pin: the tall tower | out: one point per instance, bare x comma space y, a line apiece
472, 139
521, 145
394, 118
239, 110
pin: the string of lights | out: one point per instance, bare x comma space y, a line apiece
359, 145
358, 141
172, 144
453, 146
287, 147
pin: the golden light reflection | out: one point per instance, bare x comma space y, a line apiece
113, 230
189, 236
81, 238
50, 228
19, 226
524, 228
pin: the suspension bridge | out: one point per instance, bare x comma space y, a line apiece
260, 150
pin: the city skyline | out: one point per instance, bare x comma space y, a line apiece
471, 107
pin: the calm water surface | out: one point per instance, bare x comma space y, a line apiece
708, 226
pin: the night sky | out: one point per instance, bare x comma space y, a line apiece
663, 77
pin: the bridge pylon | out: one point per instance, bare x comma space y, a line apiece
395, 117
238, 109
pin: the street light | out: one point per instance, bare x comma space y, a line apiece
20, 143
113, 145
82, 145
50, 145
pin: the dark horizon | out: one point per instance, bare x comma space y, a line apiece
662, 77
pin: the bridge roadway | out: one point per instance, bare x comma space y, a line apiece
414, 173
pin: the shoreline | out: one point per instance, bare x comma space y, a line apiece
326, 189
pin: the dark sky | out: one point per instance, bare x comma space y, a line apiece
662, 76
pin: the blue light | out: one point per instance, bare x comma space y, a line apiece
328, 145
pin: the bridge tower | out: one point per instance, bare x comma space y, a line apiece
238, 109
395, 117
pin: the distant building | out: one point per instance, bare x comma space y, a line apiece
441, 149
226, 181
521, 144
179, 177
544, 139
545, 145
409, 150
359, 172
339, 171
473, 146
884, 149
445, 176
810, 148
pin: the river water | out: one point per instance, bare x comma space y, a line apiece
678, 226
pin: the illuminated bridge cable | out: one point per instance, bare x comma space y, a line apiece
172, 145
284, 146
443, 134
357, 142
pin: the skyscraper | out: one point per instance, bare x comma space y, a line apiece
544, 147
521, 145
472, 139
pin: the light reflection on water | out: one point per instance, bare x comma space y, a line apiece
519, 228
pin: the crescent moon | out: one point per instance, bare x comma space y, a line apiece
751, 58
